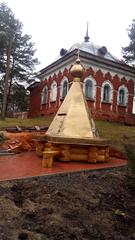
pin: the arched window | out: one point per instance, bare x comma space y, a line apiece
122, 95
45, 95
89, 88
53, 93
63, 88
107, 92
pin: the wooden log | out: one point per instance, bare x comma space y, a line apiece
79, 157
55, 148
78, 150
101, 158
47, 160
93, 149
107, 154
64, 155
101, 151
64, 152
39, 149
92, 154
64, 147
107, 157
48, 157
107, 150
64, 158
48, 144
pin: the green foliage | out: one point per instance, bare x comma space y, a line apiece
19, 98
129, 51
22, 61
17, 61
117, 133
28, 122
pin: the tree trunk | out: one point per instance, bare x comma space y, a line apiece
8, 94
6, 79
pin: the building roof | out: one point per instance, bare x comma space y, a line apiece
90, 47
91, 52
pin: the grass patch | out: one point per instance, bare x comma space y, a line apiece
119, 134
28, 122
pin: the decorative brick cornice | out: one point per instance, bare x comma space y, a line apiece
87, 59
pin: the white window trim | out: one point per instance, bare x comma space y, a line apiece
93, 87
53, 97
111, 92
123, 87
42, 95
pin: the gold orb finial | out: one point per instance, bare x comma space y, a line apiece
77, 70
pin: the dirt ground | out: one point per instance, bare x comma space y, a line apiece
96, 205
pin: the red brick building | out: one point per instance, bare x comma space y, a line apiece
108, 84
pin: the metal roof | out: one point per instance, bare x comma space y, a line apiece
89, 47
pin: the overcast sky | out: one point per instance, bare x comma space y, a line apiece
54, 24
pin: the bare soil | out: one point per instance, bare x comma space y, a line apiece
88, 206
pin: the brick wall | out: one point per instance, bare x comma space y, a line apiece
100, 110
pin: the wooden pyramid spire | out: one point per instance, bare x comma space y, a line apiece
73, 120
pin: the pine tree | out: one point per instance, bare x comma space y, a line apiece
129, 51
18, 93
17, 62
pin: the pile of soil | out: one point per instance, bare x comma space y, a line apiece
86, 206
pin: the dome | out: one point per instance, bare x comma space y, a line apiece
89, 47
77, 69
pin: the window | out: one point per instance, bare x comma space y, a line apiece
64, 88
53, 93
122, 95
45, 95
106, 93
89, 88
107, 90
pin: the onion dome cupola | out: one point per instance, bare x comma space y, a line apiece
77, 70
